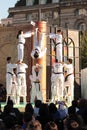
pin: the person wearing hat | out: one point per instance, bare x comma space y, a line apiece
35, 78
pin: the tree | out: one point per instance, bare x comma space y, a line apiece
83, 40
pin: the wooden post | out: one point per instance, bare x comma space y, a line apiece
42, 26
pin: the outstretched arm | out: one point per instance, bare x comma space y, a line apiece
28, 34
52, 36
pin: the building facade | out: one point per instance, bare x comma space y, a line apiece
67, 14
70, 14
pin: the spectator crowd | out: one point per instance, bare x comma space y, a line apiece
45, 116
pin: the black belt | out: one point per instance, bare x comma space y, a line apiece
68, 76
36, 82
21, 43
13, 82
21, 73
57, 43
39, 84
58, 73
10, 73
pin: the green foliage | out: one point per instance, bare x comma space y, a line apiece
83, 45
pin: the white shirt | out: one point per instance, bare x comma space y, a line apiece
35, 77
69, 68
22, 67
57, 37
57, 68
10, 67
21, 37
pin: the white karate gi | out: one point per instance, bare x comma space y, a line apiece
9, 75
21, 79
57, 80
14, 88
58, 39
70, 80
21, 42
38, 46
35, 83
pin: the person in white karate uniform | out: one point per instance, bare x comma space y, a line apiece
21, 80
21, 42
35, 78
57, 79
9, 75
14, 86
70, 78
58, 38
39, 50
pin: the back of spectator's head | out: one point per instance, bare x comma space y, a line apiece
29, 108
71, 110
82, 103
27, 116
73, 125
52, 108
51, 126
75, 103
7, 109
34, 125
10, 102
2, 125
44, 110
9, 121
38, 103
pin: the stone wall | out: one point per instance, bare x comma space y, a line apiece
8, 47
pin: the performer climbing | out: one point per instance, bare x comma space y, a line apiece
21, 41
39, 50
58, 43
